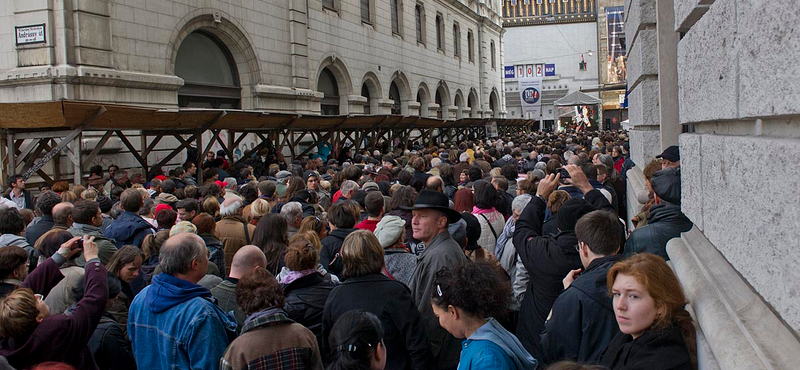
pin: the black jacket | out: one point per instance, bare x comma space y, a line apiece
548, 259
35, 231
406, 344
110, 347
583, 321
305, 301
666, 221
654, 350
329, 255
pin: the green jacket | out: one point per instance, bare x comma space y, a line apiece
106, 246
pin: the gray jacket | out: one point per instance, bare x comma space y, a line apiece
442, 252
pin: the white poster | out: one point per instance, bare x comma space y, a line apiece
530, 96
539, 70
529, 70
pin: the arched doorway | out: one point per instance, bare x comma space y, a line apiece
211, 84
472, 103
365, 93
394, 96
439, 103
326, 83
459, 103
424, 100
494, 104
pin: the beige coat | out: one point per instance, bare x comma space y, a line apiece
231, 232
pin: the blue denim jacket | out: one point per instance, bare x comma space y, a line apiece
174, 324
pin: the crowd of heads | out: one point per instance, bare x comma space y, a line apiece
261, 223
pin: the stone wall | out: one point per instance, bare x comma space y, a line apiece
124, 51
736, 95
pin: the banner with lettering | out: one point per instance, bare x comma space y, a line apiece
530, 93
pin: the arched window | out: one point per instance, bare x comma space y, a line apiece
211, 84
327, 84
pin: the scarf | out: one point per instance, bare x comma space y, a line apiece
294, 275
478, 211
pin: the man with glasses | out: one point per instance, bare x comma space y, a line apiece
585, 298
549, 258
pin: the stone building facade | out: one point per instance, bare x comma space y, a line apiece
555, 33
716, 78
410, 57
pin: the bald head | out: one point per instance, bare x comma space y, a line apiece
62, 213
434, 183
247, 259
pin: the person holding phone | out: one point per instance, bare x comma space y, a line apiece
29, 335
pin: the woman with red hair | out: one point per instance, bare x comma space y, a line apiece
656, 331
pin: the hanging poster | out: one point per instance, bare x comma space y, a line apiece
530, 93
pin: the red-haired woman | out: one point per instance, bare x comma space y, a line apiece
656, 331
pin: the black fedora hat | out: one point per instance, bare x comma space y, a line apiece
429, 199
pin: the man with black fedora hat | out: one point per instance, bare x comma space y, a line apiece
431, 215
549, 258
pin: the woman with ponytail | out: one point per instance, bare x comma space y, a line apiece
356, 342
656, 331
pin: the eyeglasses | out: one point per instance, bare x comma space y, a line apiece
578, 246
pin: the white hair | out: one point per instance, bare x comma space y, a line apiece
436, 162
520, 202
349, 186
231, 183
231, 209
291, 211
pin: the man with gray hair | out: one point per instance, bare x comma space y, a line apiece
233, 230
174, 312
348, 189
435, 163
231, 187
293, 213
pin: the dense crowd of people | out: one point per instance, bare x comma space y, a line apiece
505, 253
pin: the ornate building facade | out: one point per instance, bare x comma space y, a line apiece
410, 57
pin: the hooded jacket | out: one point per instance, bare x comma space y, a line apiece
582, 322
129, 229
174, 323
666, 221
493, 347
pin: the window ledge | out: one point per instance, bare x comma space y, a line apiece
331, 11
